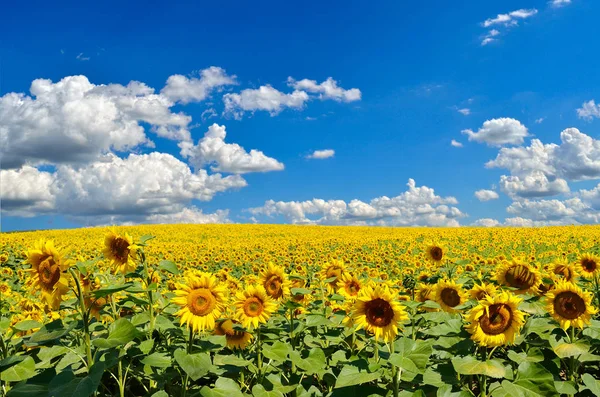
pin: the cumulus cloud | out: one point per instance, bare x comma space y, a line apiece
589, 110
499, 132
264, 98
511, 18
75, 121
195, 89
486, 195
559, 3
130, 189
456, 143
464, 111
328, 89
191, 215
227, 157
321, 154
416, 206
486, 222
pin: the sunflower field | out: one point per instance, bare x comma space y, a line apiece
273, 310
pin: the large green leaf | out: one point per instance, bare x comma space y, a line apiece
471, 366
351, 376
27, 325
278, 351
119, 333
160, 360
66, 384
168, 266
410, 357
101, 293
314, 363
224, 387
195, 365
591, 383
533, 380
260, 391
50, 333
21, 371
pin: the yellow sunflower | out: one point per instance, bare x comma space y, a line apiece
275, 281
202, 300
520, 275
589, 265
570, 305
425, 292
348, 286
435, 252
449, 295
496, 320
253, 306
236, 339
479, 292
335, 268
48, 272
565, 271
378, 313
120, 251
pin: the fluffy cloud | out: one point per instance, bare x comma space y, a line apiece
131, 189
227, 157
486, 195
510, 19
185, 90
535, 184
455, 143
559, 3
570, 211
321, 154
264, 98
416, 206
75, 121
489, 37
191, 215
498, 132
589, 110
486, 222
326, 90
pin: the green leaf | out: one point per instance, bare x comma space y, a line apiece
301, 291
260, 391
471, 366
591, 383
27, 325
534, 355
101, 293
65, 384
224, 387
161, 360
161, 393
316, 320
351, 376
278, 351
48, 354
314, 363
147, 345
28, 390
195, 365
411, 357
168, 266
119, 333
145, 238
533, 380
232, 360
566, 387
22, 371
564, 349
50, 333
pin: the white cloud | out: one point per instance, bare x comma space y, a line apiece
75, 121
191, 215
510, 19
185, 90
486, 222
554, 212
486, 195
559, 3
489, 37
455, 143
82, 57
464, 111
227, 157
540, 120
416, 206
264, 98
130, 189
498, 132
321, 154
328, 89
535, 184
589, 110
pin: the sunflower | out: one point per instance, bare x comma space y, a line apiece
253, 306
348, 286
589, 265
120, 251
202, 300
275, 281
425, 293
570, 305
479, 292
496, 320
48, 272
435, 252
236, 339
449, 295
378, 313
520, 275
330, 270
565, 271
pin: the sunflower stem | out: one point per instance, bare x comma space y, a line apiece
258, 354
394, 373
483, 378
84, 318
189, 351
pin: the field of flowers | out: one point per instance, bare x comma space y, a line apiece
266, 311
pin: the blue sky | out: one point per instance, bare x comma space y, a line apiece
421, 74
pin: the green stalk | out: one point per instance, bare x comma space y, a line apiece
150, 298
394, 373
483, 378
189, 351
258, 353
85, 318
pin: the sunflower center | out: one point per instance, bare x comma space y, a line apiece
450, 297
253, 307
496, 320
589, 265
436, 253
273, 286
120, 249
353, 288
334, 271
520, 277
49, 272
481, 295
569, 305
379, 312
201, 302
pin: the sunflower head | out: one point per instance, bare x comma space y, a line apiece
275, 281
48, 272
519, 275
202, 300
589, 265
378, 312
449, 295
564, 271
254, 306
349, 286
496, 320
235, 339
333, 269
435, 252
570, 305
120, 251
479, 292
